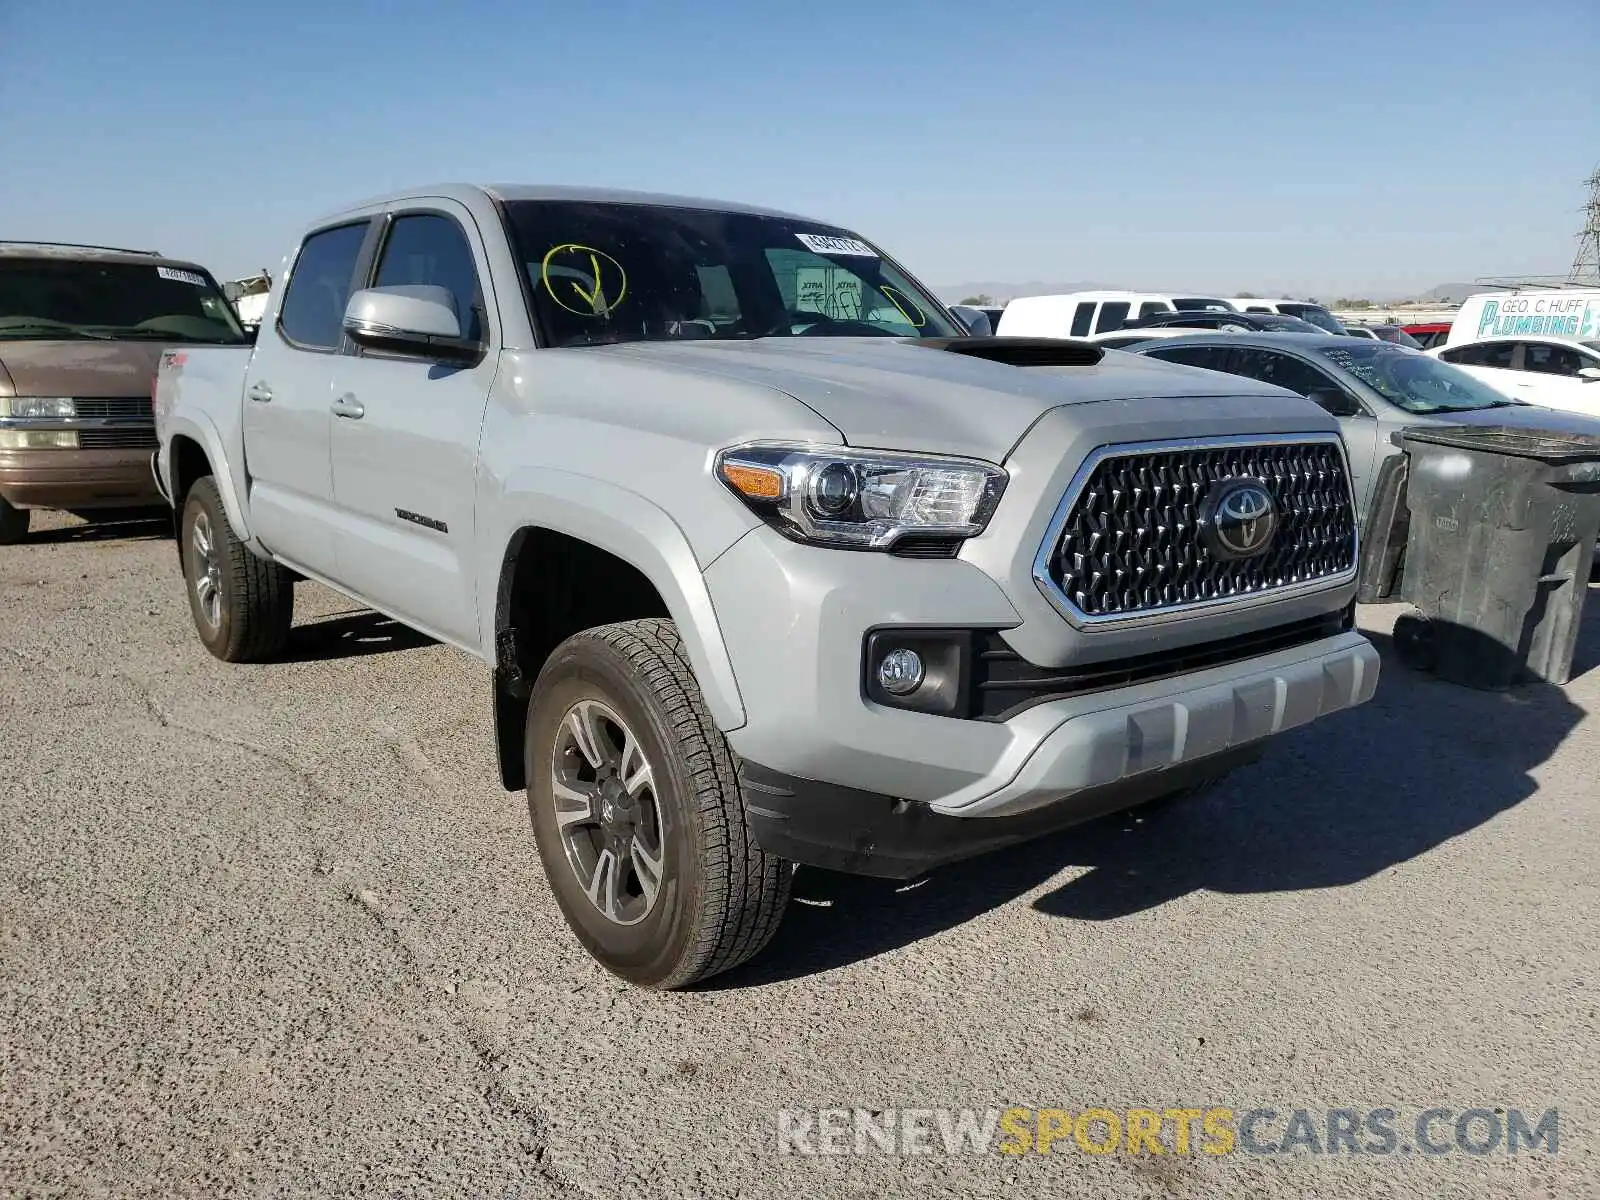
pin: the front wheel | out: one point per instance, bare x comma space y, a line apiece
242, 604
13, 523
637, 812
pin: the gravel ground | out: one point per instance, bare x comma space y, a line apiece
277, 931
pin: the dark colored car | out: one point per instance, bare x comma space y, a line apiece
81, 334
1227, 322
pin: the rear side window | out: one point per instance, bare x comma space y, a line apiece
1083, 319
1212, 358
1151, 307
1112, 316
1489, 354
1200, 304
1551, 360
428, 248
1271, 367
319, 288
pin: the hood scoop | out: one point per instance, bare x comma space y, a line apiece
1020, 351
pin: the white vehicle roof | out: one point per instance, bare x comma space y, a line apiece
1589, 344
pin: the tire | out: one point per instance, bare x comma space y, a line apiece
1414, 642
242, 604
13, 523
618, 703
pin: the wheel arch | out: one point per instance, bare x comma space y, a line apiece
194, 449
565, 533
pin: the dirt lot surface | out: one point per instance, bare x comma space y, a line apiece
277, 931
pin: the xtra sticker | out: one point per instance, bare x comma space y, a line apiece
178, 276
821, 243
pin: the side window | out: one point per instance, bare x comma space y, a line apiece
428, 248
1151, 307
1272, 367
1112, 316
1083, 318
319, 287
1489, 354
1213, 358
1258, 308
1551, 360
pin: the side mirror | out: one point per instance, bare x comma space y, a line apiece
1335, 402
977, 323
1589, 374
412, 318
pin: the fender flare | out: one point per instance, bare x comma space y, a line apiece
640, 533
198, 427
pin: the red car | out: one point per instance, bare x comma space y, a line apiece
1430, 334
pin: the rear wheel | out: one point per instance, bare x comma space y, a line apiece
637, 812
13, 523
242, 604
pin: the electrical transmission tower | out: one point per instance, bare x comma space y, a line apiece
1586, 265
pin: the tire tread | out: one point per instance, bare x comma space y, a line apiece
262, 601
746, 889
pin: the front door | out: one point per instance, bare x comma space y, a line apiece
286, 394
405, 440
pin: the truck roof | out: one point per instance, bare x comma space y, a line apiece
75, 253
467, 192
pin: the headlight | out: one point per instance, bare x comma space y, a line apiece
861, 499
38, 439
37, 406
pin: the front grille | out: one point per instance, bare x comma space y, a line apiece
1130, 543
117, 408
118, 437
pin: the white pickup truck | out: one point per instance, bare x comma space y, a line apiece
772, 561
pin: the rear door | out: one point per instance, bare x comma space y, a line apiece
287, 389
405, 437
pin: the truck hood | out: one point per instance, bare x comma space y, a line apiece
1522, 416
77, 368
886, 393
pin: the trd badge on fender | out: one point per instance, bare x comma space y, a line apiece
1238, 519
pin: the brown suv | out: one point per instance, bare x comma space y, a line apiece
81, 332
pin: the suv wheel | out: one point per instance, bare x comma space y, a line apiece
637, 813
13, 523
242, 604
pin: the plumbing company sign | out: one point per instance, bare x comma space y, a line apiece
1555, 316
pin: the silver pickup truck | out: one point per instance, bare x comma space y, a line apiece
773, 562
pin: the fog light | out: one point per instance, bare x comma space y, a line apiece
900, 672
38, 439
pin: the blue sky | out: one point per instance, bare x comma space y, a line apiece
1321, 148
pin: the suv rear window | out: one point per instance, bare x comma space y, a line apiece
65, 299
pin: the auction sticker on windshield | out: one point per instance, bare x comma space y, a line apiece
820, 243
178, 276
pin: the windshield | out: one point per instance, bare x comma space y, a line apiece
1284, 324
1413, 381
47, 299
601, 273
1314, 313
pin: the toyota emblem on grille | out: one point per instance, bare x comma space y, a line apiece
1238, 519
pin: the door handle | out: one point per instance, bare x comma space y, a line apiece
260, 393
348, 407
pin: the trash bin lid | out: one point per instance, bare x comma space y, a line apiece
1546, 445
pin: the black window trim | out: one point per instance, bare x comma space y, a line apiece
357, 271
367, 274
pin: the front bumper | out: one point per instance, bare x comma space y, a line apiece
78, 479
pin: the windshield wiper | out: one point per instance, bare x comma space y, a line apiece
48, 328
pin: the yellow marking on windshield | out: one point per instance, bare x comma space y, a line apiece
606, 279
891, 293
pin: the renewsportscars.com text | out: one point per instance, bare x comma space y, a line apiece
1215, 1131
